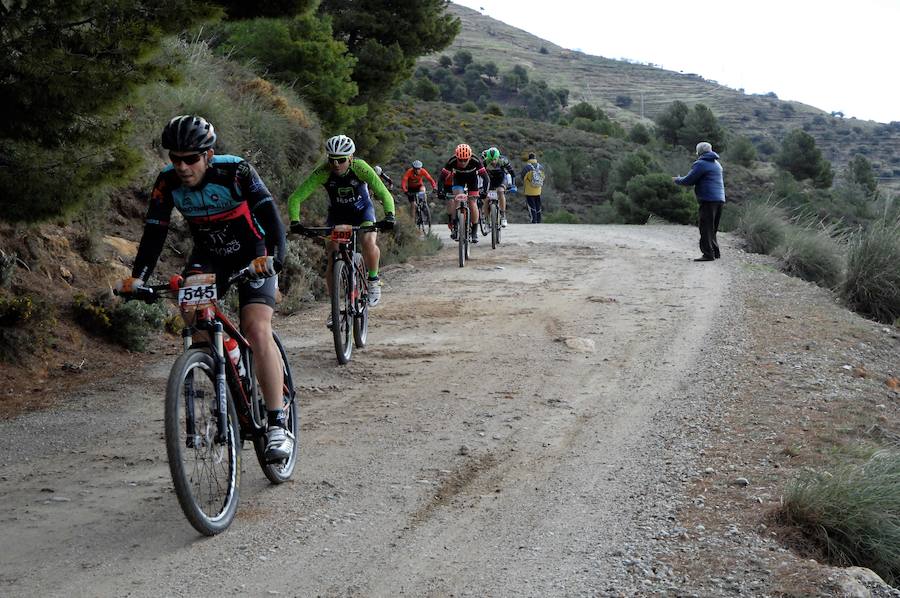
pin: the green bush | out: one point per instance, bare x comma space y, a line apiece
469, 106
604, 214
656, 194
872, 284
26, 327
742, 152
129, 323
762, 225
852, 512
561, 216
813, 253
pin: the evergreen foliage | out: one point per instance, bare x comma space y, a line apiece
670, 122
386, 37
742, 151
700, 124
655, 194
302, 52
67, 69
800, 157
862, 173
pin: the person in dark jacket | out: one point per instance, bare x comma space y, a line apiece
709, 187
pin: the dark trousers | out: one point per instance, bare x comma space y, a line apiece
710, 212
534, 207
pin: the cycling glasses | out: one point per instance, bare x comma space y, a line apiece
190, 159
338, 160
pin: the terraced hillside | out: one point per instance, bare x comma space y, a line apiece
600, 81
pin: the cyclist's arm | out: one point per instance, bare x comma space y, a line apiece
262, 206
367, 175
404, 182
430, 179
485, 178
306, 188
156, 228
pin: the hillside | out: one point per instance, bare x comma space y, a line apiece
600, 81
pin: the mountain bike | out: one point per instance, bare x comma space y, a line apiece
349, 285
461, 197
423, 213
214, 404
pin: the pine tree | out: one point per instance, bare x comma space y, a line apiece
670, 122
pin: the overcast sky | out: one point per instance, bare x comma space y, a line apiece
834, 55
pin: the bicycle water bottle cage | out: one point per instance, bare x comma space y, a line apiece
341, 233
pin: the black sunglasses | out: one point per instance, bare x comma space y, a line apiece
338, 160
191, 159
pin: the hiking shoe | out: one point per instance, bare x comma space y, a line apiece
453, 234
329, 323
503, 221
474, 237
374, 291
279, 445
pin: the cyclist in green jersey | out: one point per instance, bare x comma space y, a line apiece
348, 181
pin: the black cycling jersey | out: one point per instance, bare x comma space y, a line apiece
466, 175
231, 216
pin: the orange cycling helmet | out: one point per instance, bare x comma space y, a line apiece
463, 151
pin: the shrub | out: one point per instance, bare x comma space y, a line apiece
762, 225
561, 216
742, 152
852, 512
656, 194
813, 253
639, 134
469, 107
26, 326
129, 323
872, 284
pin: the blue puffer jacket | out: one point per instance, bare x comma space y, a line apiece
706, 177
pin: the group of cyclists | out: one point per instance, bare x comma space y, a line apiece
462, 172
234, 223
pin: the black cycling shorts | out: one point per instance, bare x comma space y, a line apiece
497, 179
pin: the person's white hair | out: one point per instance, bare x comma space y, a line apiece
703, 147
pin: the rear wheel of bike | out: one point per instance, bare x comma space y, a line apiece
361, 319
462, 235
206, 473
342, 311
495, 229
281, 471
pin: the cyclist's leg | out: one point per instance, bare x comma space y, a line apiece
256, 325
501, 197
411, 197
370, 251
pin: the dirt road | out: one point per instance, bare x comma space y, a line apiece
500, 435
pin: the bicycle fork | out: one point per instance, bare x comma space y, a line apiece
221, 405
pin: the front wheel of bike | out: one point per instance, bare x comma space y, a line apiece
425, 212
483, 220
281, 471
205, 472
361, 317
342, 310
462, 234
495, 229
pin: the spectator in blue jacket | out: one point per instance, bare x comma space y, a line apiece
709, 187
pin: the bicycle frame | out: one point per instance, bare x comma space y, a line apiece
345, 237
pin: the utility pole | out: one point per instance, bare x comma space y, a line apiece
642, 105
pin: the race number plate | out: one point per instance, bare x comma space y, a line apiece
492, 195
199, 290
341, 233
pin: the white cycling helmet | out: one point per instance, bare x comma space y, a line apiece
378, 170
340, 145
417, 164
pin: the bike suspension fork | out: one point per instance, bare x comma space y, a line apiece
189, 424
221, 404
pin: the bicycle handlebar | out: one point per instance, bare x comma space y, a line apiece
324, 231
153, 292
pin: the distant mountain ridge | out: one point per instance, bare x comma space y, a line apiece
605, 82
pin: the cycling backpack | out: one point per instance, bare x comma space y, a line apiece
537, 175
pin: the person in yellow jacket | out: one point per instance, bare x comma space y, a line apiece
533, 177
